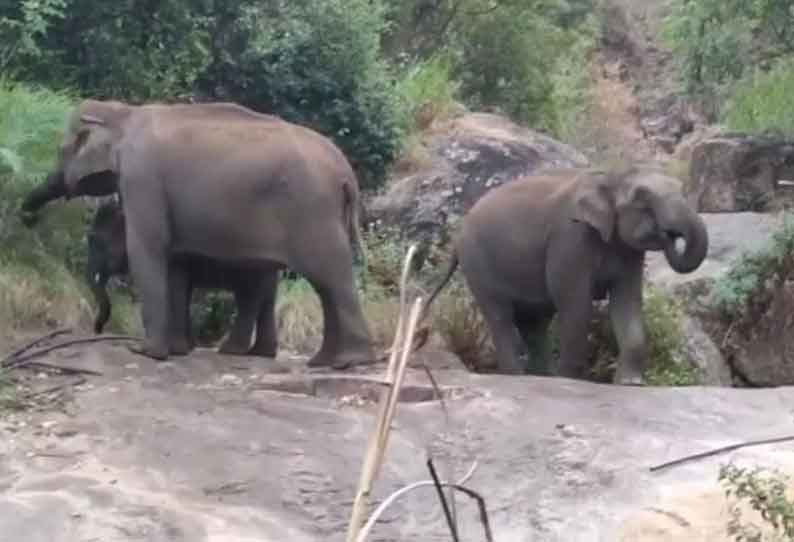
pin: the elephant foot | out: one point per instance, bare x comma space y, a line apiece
180, 348
263, 351
156, 354
344, 360
628, 378
233, 349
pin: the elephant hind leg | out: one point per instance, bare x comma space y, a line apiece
328, 266
533, 327
499, 316
266, 344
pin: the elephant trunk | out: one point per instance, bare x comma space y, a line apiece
99, 289
677, 220
53, 188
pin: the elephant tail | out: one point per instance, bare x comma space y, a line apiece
451, 268
352, 219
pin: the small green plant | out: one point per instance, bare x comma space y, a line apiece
765, 492
750, 275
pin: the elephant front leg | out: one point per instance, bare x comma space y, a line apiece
575, 310
149, 268
625, 312
179, 343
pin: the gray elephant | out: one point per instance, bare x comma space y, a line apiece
221, 181
553, 243
254, 290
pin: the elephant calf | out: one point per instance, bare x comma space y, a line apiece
553, 243
254, 291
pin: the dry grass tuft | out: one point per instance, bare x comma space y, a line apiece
32, 300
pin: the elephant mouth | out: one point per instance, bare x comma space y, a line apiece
674, 240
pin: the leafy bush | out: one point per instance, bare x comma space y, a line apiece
766, 493
747, 280
318, 63
764, 103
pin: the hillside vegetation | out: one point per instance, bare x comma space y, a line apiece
370, 74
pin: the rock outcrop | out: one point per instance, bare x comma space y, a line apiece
467, 157
735, 173
182, 452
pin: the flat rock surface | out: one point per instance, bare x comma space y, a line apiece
222, 449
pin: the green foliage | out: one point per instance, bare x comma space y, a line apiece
765, 492
667, 365
571, 82
764, 102
38, 265
751, 273
318, 63
428, 91
716, 41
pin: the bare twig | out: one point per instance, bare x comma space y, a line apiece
453, 529
721, 450
23, 360
30, 344
425, 483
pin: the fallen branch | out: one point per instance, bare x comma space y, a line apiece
23, 360
30, 344
391, 499
721, 450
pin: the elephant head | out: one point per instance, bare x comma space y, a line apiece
645, 209
87, 164
107, 256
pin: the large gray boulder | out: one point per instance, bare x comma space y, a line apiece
734, 173
214, 449
464, 159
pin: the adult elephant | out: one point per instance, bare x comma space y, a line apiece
254, 290
220, 181
553, 243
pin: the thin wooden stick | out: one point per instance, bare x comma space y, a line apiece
721, 450
379, 436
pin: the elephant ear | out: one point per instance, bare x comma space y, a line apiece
91, 152
594, 204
